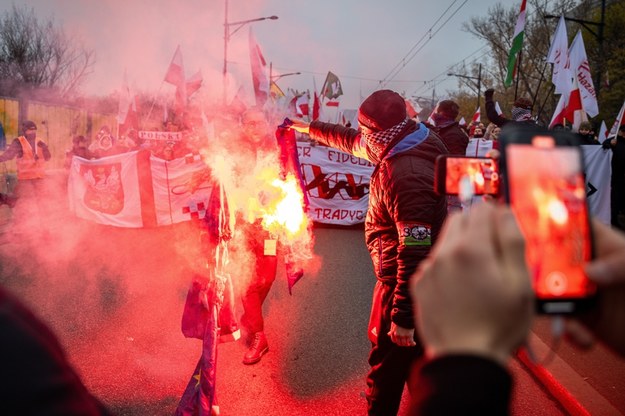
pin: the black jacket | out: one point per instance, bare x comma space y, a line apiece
405, 215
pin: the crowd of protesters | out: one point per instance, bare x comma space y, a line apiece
415, 278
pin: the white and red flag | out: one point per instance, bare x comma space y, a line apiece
260, 75
574, 110
559, 56
476, 117
175, 76
558, 114
302, 106
316, 109
581, 72
194, 83
620, 120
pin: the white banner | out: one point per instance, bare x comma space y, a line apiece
478, 147
106, 190
182, 188
597, 164
337, 184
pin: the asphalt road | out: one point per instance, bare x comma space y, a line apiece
115, 298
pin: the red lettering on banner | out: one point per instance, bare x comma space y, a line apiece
340, 157
303, 151
340, 214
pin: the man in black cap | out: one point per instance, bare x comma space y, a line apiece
31, 156
403, 221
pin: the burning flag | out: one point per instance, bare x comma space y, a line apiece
207, 311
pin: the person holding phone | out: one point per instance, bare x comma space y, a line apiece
475, 307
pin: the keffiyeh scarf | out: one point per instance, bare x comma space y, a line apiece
521, 114
377, 141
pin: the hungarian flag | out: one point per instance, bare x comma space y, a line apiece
559, 56
581, 72
175, 76
260, 77
517, 45
332, 89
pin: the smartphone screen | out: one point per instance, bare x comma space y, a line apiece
546, 191
481, 171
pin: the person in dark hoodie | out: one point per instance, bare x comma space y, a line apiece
403, 221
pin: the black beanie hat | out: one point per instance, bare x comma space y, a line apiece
382, 110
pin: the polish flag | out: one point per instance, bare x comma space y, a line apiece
558, 114
574, 110
462, 122
316, 109
301, 105
194, 83
476, 117
175, 75
620, 120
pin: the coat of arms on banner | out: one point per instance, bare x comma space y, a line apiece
104, 192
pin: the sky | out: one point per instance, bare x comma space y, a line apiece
364, 42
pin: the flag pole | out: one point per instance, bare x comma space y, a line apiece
518, 74
154, 100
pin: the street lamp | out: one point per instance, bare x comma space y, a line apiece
478, 78
277, 77
598, 35
228, 33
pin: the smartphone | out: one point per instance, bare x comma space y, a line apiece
543, 181
483, 173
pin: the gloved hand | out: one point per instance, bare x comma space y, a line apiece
488, 94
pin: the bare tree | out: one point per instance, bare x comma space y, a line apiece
496, 27
37, 54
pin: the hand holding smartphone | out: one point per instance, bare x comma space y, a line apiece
543, 181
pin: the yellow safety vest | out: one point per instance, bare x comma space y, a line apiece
27, 166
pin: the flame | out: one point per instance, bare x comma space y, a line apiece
286, 212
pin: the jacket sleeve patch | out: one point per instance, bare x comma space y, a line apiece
414, 234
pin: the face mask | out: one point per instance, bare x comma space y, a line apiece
30, 135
